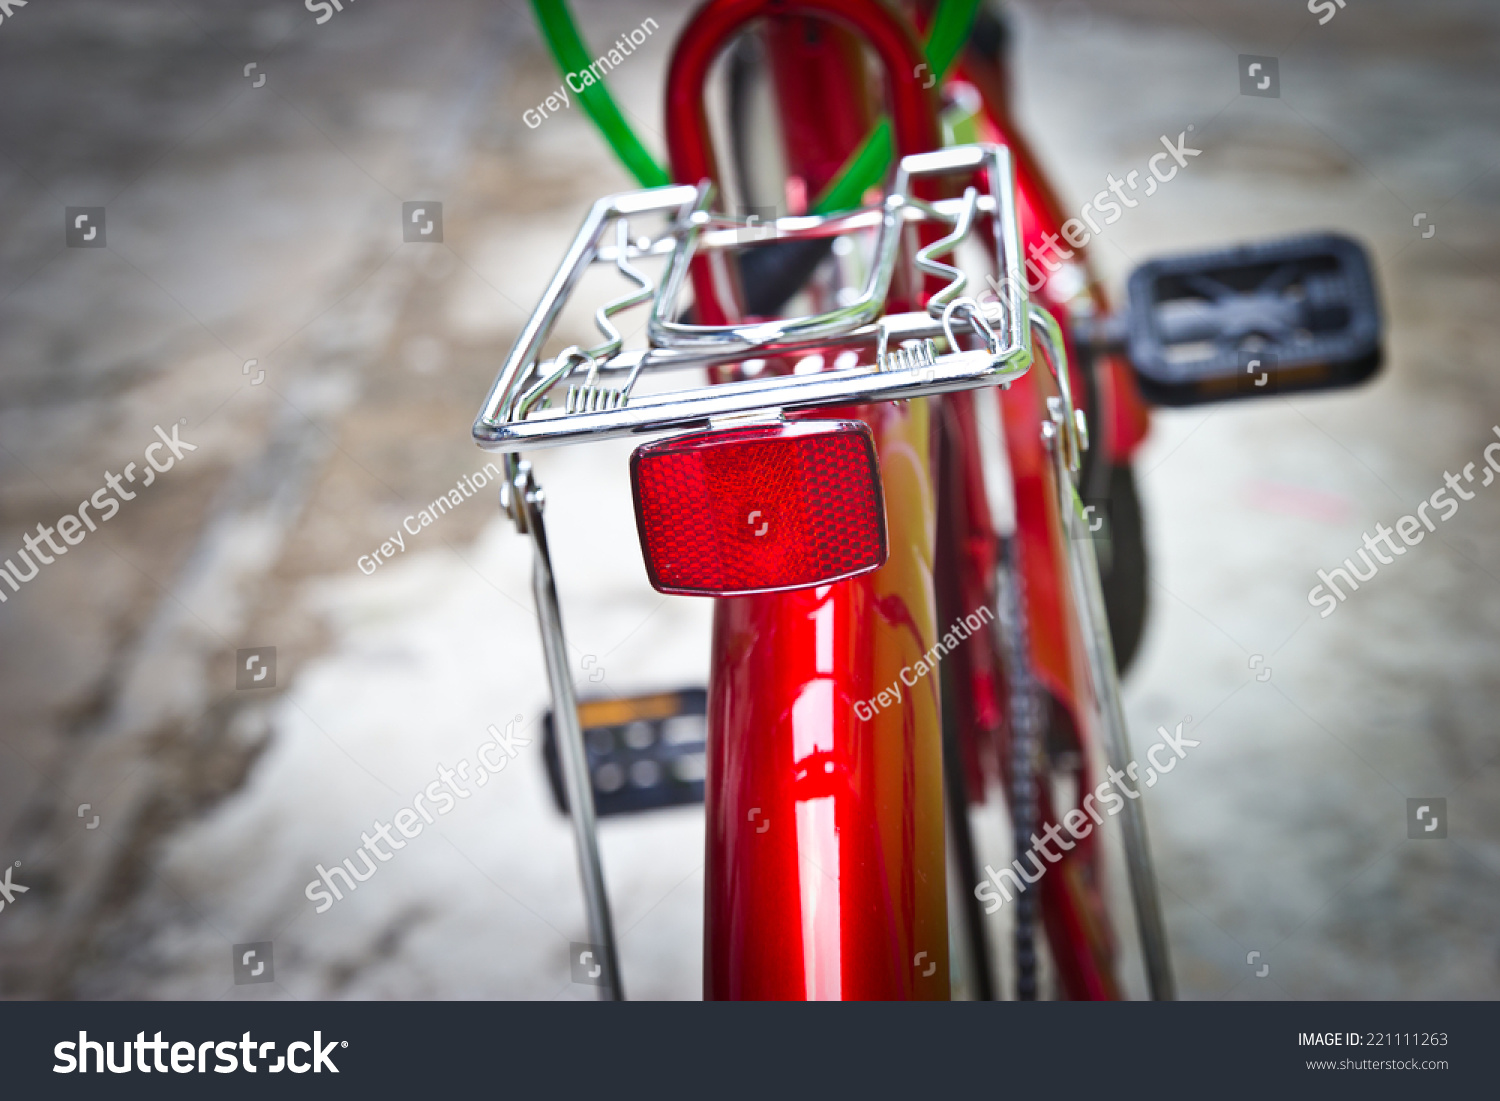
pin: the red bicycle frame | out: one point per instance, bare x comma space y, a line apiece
826, 870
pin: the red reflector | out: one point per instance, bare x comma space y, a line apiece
749, 510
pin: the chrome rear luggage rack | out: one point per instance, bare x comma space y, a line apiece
901, 354
905, 355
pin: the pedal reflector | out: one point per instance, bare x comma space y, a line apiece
644, 752
759, 509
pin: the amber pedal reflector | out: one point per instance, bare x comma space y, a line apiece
759, 509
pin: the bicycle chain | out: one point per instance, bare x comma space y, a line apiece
1026, 729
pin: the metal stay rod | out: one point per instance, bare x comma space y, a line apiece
1101, 659
526, 504
1143, 889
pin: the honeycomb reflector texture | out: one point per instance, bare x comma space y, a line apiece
759, 509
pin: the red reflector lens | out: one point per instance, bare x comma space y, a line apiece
749, 510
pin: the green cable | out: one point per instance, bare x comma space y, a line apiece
571, 56
865, 166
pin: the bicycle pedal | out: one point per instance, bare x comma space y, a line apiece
644, 752
1273, 317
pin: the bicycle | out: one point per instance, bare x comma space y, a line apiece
885, 496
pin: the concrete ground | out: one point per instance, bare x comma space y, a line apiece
264, 223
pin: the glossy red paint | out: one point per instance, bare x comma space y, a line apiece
825, 850
825, 862
689, 141
814, 63
1072, 900
1073, 911
1123, 419
1072, 896
825, 867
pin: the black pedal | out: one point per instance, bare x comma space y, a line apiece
1270, 318
644, 752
